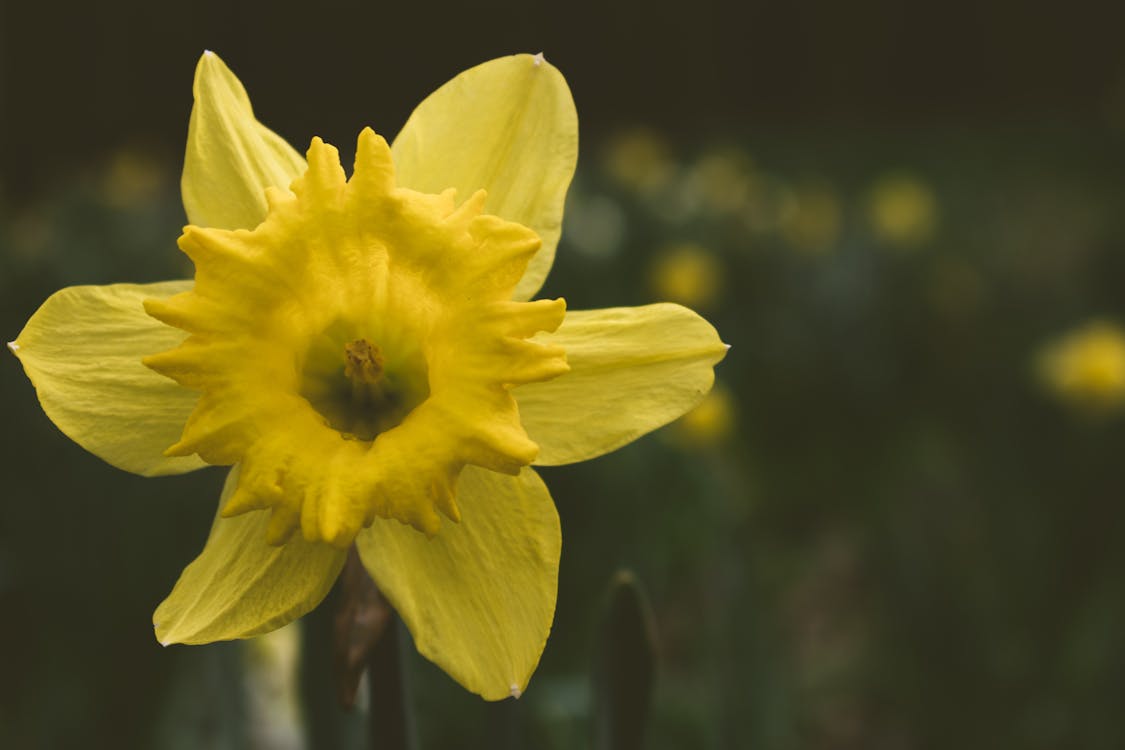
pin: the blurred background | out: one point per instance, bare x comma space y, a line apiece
896, 521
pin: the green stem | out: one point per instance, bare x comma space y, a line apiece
387, 691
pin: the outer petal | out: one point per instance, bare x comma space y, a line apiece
632, 369
231, 157
240, 586
82, 351
507, 126
479, 597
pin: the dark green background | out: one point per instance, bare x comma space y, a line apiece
906, 543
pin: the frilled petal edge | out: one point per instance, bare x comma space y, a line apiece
508, 126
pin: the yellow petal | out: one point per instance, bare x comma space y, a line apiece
507, 126
479, 597
632, 369
231, 157
82, 351
240, 586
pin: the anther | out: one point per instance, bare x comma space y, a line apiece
364, 362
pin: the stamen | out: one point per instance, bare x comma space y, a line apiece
365, 362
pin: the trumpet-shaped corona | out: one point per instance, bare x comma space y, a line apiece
357, 350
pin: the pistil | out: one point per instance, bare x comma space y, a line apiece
364, 365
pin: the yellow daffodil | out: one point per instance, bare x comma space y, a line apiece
903, 210
687, 273
363, 352
1087, 366
712, 422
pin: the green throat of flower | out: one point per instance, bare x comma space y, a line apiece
360, 390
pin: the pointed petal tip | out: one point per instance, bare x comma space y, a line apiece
14, 347
539, 59
206, 60
516, 692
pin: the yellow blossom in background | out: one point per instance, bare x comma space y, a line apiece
687, 273
640, 159
902, 210
365, 354
712, 422
1087, 366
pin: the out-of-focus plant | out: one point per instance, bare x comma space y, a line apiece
712, 422
1086, 367
687, 273
903, 210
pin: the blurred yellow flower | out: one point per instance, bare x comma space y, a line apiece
1087, 366
712, 422
903, 210
687, 273
365, 354
640, 159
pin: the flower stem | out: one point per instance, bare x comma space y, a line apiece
366, 638
387, 691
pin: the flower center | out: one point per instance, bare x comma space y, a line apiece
365, 366
357, 349
359, 390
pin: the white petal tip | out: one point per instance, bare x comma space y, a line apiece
13, 346
726, 347
538, 60
516, 692
165, 644
208, 52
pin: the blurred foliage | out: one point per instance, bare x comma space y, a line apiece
881, 531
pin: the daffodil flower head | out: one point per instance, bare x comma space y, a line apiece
357, 349
366, 355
